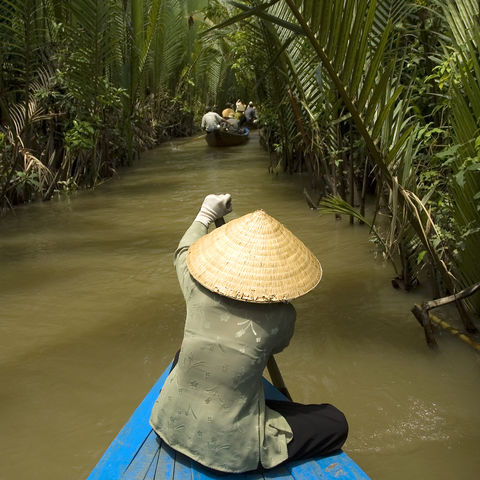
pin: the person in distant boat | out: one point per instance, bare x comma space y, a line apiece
239, 106
227, 111
251, 114
240, 111
232, 125
238, 281
211, 120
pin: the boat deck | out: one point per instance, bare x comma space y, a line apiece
138, 454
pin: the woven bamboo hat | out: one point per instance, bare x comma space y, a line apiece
255, 259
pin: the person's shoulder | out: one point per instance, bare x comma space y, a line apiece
280, 308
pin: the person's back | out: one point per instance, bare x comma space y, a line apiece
250, 113
212, 406
233, 125
211, 121
239, 106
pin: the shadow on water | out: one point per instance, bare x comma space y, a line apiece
91, 314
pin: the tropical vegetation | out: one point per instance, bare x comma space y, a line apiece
88, 84
381, 97
366, 98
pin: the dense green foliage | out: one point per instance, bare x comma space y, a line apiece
381, 97
88, 84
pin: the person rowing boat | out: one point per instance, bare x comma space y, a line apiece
238, 281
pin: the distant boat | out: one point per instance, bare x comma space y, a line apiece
224, 138
137, 453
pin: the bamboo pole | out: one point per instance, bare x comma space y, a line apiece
451, 298
454, 331
425, 318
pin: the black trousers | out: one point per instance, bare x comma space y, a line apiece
318, 429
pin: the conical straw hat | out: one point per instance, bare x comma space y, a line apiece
255, 259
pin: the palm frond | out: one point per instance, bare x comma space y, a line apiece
94, 48
331, 204
462, 16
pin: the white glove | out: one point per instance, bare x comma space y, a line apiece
213, 208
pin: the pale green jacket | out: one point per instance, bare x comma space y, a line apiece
212, 406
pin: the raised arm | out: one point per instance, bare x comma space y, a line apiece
213, 208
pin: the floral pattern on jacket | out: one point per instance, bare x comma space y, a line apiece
212, 406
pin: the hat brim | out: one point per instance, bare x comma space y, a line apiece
254, 259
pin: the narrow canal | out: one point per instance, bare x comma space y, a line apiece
90, 315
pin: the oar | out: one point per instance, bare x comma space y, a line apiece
276, 377
272, 366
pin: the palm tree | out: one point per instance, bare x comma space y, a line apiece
88, 84
363, 87
464, 95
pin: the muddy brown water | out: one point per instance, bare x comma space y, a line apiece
91, 314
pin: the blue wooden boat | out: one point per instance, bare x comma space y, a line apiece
137, 453
224, 138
